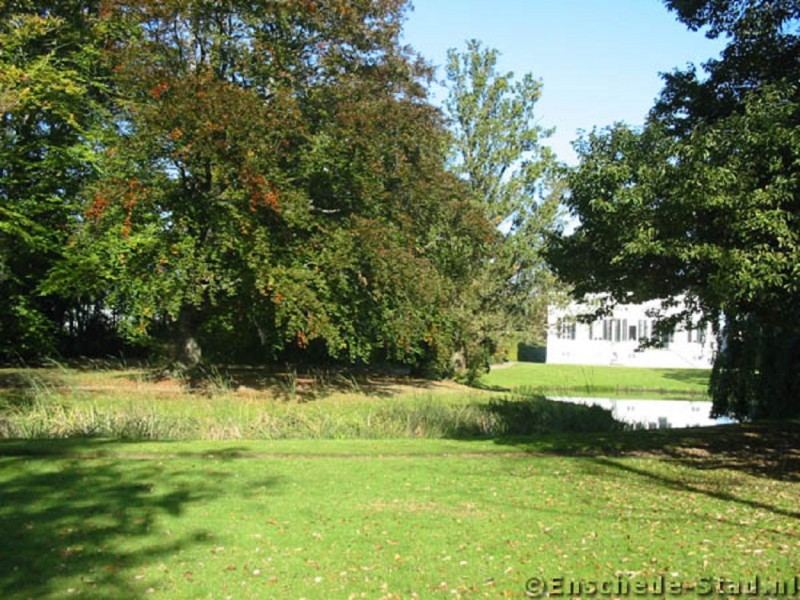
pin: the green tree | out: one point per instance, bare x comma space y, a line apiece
497, 149
703, 202
51, 97
272, 174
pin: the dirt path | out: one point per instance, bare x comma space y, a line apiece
504, 365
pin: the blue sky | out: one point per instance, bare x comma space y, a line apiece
599, 60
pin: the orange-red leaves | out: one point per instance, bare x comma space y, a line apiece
159, 90
262, 193
302, 340
98, 207
129, 201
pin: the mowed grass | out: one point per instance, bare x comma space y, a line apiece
619, 382
396, 518
425, 506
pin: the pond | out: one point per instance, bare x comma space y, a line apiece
655, 414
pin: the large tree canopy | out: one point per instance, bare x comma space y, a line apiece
704, 201
242, 176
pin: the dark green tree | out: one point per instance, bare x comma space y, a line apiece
703, 202
52, 93
272, 174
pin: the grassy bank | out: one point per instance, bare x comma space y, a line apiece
68, 404
389, 519
617, 382
118, 403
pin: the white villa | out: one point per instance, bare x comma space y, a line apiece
614, 340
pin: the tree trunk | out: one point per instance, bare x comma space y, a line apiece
186, 350
458, 360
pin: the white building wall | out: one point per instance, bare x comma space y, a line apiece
614, 340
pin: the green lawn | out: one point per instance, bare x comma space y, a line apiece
425, 506
392, 519
600, 380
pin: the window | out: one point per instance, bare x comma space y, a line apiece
667, 339
566, 330
698, 336
607, 330
616, 330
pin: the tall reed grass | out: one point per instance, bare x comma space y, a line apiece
44, 412
56, 402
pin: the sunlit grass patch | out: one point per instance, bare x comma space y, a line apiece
394, 518
590, 380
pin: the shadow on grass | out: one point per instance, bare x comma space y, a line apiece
12, 380
479, 384
768, 450
538, 426
529, 415
301, 384
19, 386
698, 377
676, 484
69, 522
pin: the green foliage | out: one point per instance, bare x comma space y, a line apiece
756, 375
50, 87
497, 145
762, 49
497, 149
703, 202
264, 178
531, 352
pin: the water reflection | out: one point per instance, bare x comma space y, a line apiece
655, 414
